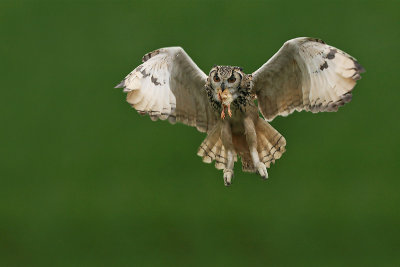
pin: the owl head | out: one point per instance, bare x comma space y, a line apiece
222, 78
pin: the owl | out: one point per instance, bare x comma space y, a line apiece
305, 74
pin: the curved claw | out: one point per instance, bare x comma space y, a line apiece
228, 175
262, 170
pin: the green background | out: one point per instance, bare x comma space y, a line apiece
86, 181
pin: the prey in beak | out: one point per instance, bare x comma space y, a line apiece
226, 99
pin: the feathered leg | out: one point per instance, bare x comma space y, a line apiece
226, 137
251, 138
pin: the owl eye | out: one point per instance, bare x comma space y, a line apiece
231, 79
216, 79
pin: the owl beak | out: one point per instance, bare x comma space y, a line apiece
222, 86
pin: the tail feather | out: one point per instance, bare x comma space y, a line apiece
247, 163
213, 149
270, 143
270, 147
221, 157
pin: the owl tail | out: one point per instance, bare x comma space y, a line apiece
270, 146
212, 149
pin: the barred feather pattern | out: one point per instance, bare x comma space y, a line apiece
169, 85
270, 146
305, 74
212, 149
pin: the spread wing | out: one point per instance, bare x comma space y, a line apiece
305, 74
169, 85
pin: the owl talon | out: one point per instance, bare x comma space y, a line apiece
228, 175
262, 170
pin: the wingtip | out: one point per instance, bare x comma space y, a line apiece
120, 85
359, 68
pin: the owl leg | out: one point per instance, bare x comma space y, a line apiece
226, 137
251, 138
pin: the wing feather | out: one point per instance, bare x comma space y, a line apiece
169, 85
305, 74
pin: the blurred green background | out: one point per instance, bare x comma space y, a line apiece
86, 181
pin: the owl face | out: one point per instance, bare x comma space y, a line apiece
222, 78
228, 85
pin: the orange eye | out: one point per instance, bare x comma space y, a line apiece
231, 79
216, 79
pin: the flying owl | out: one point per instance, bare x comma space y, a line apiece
305, 74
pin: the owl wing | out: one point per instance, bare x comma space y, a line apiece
305, 74
169, 85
